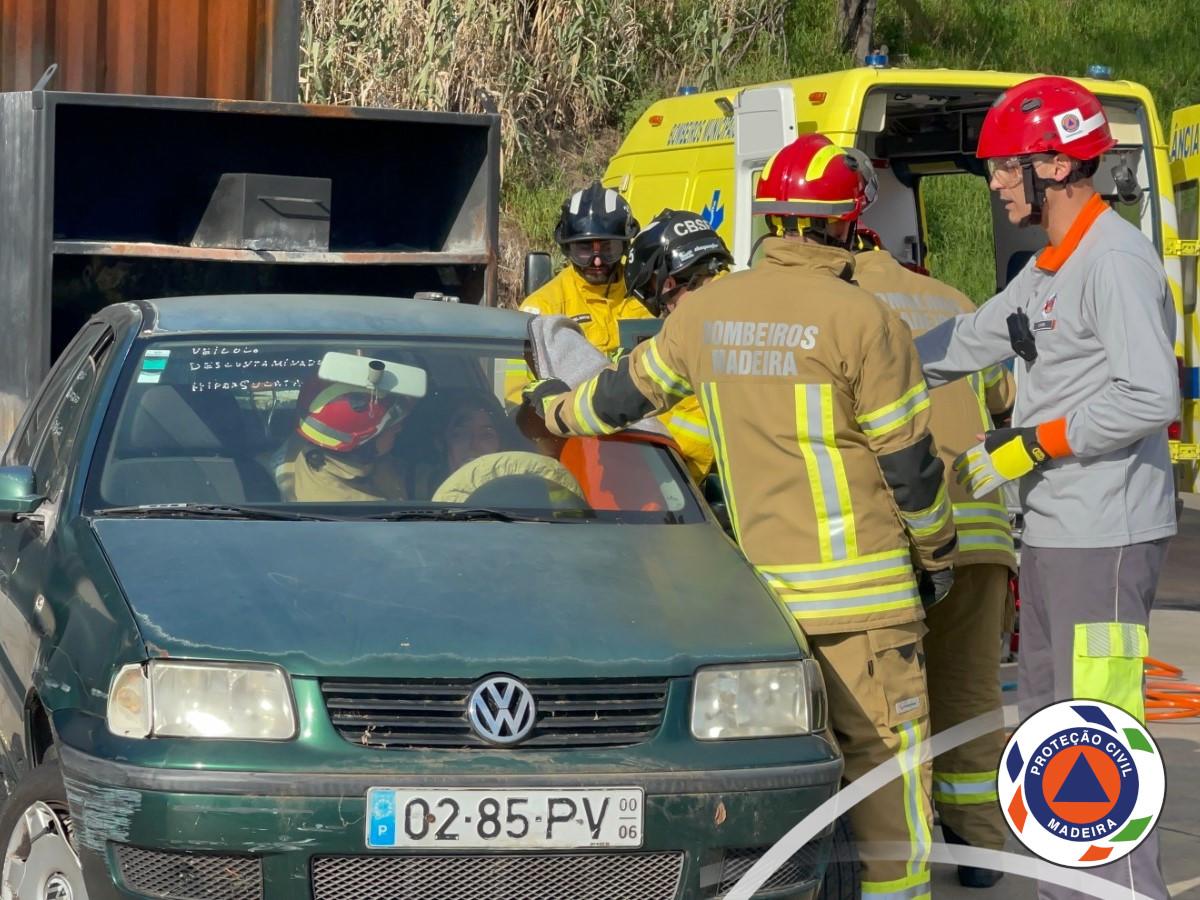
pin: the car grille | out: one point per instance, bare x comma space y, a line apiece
585, 713
591, 876
798, 868
189, 876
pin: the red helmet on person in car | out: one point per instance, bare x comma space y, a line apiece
343, 417
1047, 114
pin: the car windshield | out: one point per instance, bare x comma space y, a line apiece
360, 429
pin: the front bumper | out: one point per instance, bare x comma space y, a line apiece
146, 832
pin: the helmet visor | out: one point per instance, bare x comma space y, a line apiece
585, 253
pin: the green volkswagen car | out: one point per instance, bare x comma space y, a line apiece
292, 605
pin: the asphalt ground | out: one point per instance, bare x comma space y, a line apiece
1174, 638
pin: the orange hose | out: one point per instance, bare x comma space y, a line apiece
1156, 668
1167, 694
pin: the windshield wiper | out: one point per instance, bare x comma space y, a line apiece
462, 514
207, 510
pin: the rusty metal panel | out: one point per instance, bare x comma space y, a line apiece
225, 49
24, 257
127, 47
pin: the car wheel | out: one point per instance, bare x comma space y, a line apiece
40, 862
842, 879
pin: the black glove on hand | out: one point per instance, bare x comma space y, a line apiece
536, 393
934, 586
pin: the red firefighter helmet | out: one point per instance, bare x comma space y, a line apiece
815, 179
342, 417
1047, 114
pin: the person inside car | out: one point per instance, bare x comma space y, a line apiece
341, 449
448, 429
458, 442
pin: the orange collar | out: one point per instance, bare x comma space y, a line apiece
1051, 259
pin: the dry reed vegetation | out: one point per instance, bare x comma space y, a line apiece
550, 67
560, 73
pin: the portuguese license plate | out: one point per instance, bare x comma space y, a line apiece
521, 819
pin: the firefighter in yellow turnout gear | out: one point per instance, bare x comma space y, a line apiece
812, 390
963, 644
596, 307
594, 229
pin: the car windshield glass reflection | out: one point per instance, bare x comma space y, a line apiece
362, 429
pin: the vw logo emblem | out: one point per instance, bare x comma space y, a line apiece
502, 710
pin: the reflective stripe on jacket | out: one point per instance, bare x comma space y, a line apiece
689, 426
961, 410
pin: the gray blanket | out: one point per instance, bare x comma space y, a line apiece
561, 351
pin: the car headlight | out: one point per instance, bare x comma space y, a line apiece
169, 698
758, 700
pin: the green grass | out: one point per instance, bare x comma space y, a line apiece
532, 201
958, 225
1154, 42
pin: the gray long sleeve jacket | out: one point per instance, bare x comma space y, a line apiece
1104, 324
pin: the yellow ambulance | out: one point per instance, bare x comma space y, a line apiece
704, 152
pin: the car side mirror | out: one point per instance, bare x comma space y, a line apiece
538, 271
18, 496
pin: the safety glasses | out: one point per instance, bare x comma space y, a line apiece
1004, 169
584, 253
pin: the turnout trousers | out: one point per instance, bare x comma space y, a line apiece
1084, 618
879, 709
963, 663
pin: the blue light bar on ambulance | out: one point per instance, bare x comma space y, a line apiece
687, 90
876, 60
1104, 73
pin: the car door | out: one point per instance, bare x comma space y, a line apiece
44, 440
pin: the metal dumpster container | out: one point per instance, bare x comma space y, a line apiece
106, 198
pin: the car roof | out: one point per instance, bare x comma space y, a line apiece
328, 314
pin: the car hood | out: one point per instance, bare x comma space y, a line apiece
445, 599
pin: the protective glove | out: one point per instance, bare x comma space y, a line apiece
536, 394
934, 586
1004, 455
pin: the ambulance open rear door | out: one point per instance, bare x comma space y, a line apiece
764, 122
1184, 153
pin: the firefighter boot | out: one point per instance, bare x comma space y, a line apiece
971, 876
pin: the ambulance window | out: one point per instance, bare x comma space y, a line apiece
957, 232
1124, 176
1187, 196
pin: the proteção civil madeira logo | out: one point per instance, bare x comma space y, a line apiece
1081, 783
